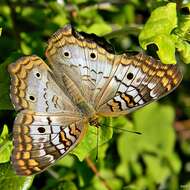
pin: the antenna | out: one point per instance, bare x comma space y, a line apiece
121, 129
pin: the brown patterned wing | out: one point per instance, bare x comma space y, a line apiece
85, 59
112, 84
41, 139
137, 81
33, 88
48, 125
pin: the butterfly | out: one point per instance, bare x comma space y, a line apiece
83, 80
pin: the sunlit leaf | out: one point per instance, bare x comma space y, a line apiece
5, 145
89, 142
10, 181
157, 31
158, 137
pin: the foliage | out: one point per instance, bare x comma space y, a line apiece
158, 30
9, 180
5, 145
158, 158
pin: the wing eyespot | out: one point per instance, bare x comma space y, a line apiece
93, 56
130, 76
67, 54
32, 98
38, 75
41, 130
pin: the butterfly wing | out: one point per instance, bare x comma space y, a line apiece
42, 138
112, 84
137, 81
48, 125
82, 58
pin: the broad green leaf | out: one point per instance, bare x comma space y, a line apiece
152, 120
181, 36
111, 180
66, 185
10, 181
5, 151
89, 142
5, 132
183, 48
66, 161
158, 137
98, 26
5, 103
5, 146
157, 31
157, 169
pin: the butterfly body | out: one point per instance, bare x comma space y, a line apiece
84, 79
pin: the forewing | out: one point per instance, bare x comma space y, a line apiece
33, 88
48, 125
137, 80
112, 84
86, 59
41, 139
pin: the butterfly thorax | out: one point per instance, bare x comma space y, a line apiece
86, 109
94, 121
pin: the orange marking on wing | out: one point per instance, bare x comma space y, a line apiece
27, 139
28, 119
175, 81
18, 155
23, 167
19, 139
128, 100
25, 129
74, 131
168, 87
21, 162
165, 81
145, 68
63, 138
20, 147
27, 172
160, 73
170, 72
22, 73
29, 66
24, 104
32, 162
26, 155
28, 147
37, 169
21, 94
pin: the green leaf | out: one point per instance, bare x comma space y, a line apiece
5, 103
5, 146
90, 140
10, 181
5, 151
112, 181
157, 31
157, 170
0, 31
158, 137
5, 132
66, 185
181, 36
183, 48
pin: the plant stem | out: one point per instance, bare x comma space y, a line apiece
132, 29
96, 172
